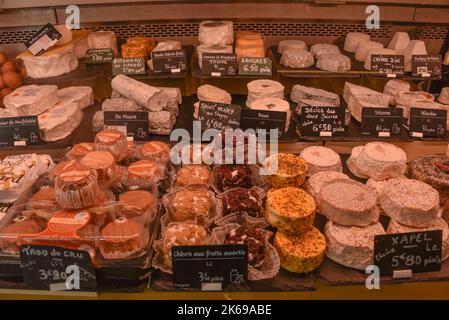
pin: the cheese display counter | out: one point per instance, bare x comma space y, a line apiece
230, 151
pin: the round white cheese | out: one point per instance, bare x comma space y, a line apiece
320, 158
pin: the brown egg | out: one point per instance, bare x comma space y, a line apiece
5, 91
8, 66
2, 84
3, 57
12, 79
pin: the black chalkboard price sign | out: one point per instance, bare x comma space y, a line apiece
209, 267
136, 123
426, 66
57, 269
43, 39
251, 66
19, 131
128, 66
382, 122
322, 121
219, 64
415, 251
427, 122
388, 64
219, 116
263, 119
170, 61
99, 56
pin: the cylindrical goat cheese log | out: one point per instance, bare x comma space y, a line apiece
174, 99
349, 203
351, 246
216, 32
297, 58
314, 184
273, 104
320, 158
394, 87
334, 63
410, 202
291, 44
161, 122
264, 88
353, 39
205, 48
364, 47
152, 98
321, 49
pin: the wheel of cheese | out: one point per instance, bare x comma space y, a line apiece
66, 34
297, 58
334, 63
291, 44
284, 170
353, 39
349, 203
436, 224
83, 96
101, 161
210, 93
290, 209
363, 48
216, 32
113, 141
372, 51
303, 253
314, 184
351, 246
31, 100
273, 104
444, 96
80, 150
321, 49
378, 187
352, 163
380, 160
264, 88
320, 158
157, 151
394, 87
410, 202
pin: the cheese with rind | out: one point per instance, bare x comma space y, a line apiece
297, 58
320, 158
364, 47
83, 96
334, 63
60, 121
292, 43
400, 42
31, 100
353, 39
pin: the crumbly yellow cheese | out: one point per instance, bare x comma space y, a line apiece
301, 254
290, 209
291, 170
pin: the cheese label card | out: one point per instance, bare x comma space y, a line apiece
43, 39
210, 267
427, 122
426, 66
263, 119
219, 116
128, 66
136, 123
322, 121
98, 56
171, 61
415, 251
382, 121
250, 66
219, 64
388, 64
57, 269
19, 131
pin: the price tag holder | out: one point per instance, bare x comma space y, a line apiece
388, 64
262, 119
57, 269
426, 66
209, 267
170, 61
219, 116
128, 66
136, 123
427, 122
415, 251
46, 37
19, 131
219, 64
250, 66
99, 56
322, 121
382, 122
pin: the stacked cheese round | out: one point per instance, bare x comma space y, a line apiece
291, 44
297, 58
216, 32
302, 253
322, 49
210, 93
290, 209
378, 187
285, 169
394, 87
320, 158
363, 48
264, 88
334, 63
314, 184
273, 104
353, 39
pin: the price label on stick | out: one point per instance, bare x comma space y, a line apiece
322, 121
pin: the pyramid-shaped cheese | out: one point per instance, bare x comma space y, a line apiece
415, 47
399, 42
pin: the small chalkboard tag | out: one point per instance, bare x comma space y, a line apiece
390, 64
251, 66
128, 66
210, 267
43, 39
415, 251
170, 61
426, 66
219, 64
99, 56
219, 116
263, 119
56, 268
322, 121
136, 123
427, 122
19, 131
382, 122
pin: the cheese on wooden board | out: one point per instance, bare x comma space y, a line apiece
83, 96
297, 58
382, 51
303, 253
400, 42
51, 64
394, 87
334, 63
322, 49
410, 202
444, 96
349, 203
351, 246
161, 122
273, 104
216, 32
152, 98
103, 39
415, 47
264, 88
60, 121
364, 47
31, 100
66, 34
321, 158
203, 48
353, 39
314, 184
295, 44
300, 92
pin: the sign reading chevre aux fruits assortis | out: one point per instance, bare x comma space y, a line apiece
136, 123
388, 64
19, 131
170, 61
322, 121
415, 251
43, 39
219, 116
128, 66
211, 267
219, 64
427, 122
251, 66
382, 122
426, 66
99, 56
